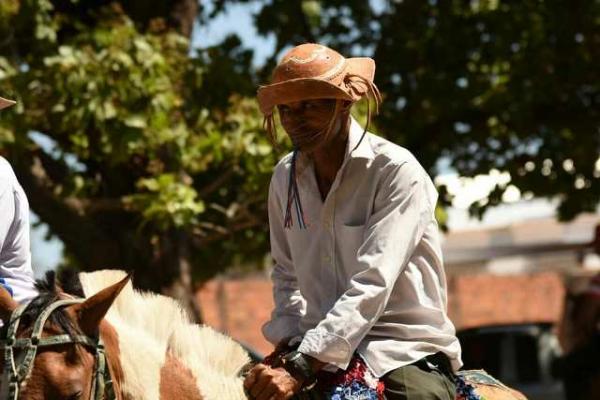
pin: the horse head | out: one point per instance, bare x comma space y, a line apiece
52, 348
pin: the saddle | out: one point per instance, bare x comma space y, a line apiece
356, 384
470, 385
480, 385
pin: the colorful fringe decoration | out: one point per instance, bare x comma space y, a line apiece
355, 383
464, 390
293, 198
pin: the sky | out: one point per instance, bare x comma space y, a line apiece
238, 19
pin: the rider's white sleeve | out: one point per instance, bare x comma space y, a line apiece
290, 306
16, 273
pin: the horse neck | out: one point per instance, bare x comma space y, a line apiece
176, 379
110, 339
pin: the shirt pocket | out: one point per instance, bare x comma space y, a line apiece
349, 238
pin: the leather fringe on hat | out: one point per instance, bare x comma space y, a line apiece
6, 103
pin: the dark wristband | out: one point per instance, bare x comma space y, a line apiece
298, 365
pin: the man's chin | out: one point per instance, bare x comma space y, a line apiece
309, 148
306, 146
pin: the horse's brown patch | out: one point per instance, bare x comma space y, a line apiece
177, 381
110, 337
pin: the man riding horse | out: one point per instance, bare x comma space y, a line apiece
16, 274
359, 283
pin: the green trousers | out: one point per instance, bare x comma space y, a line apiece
414, 382
419, 381
408, 383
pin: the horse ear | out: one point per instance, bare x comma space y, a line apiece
7, 305
92, 311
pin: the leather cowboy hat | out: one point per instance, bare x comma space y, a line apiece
6, 103
313, 71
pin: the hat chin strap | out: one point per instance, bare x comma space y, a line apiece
293, 198
329, 128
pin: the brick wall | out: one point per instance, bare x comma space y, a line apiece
479, 299
239, 307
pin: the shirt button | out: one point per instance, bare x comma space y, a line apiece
327, 225
327, 259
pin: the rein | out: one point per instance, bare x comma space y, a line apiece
16, 372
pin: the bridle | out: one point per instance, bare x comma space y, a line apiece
16, 371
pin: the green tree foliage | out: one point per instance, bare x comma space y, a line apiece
141, 153
487, 84
134, 152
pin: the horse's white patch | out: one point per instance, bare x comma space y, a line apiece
213, 358
149, 325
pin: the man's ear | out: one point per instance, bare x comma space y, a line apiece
91, 312
7, 305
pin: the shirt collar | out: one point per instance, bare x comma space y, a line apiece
357, 148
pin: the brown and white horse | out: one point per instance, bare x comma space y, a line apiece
91, 336
152, 351
579, 337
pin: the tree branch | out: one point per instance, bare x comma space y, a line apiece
52, 170
80, 233
183, 14
217, 183
199, 241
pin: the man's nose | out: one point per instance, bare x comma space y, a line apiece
295, 117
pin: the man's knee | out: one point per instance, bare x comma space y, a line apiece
414, 383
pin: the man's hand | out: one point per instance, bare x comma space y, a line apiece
266, 383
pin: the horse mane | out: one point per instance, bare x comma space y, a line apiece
49, 288
150, 326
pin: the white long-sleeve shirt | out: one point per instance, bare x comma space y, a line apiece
367, 274
15, 254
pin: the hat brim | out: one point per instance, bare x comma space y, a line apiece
6, 103
301, 89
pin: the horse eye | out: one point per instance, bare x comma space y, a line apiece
75, 396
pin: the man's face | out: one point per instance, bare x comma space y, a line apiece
307, 122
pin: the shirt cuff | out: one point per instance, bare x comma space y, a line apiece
326, 347
280, 328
